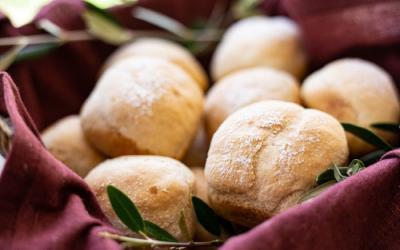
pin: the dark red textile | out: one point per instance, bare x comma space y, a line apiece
362, 212
43, 204
368, 29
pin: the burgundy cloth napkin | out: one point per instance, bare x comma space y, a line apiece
369, 29
361, 212
43, 205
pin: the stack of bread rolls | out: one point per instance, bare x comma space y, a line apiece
253, 144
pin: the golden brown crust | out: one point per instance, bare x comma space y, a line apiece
64, 139
267, 41
159, 186
266, 155
143, 106
246, 87
355, 91
156, 47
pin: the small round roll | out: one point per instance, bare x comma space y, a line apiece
245, 87
260, 41
156, 47
265, 156
65, 141
143, 106
354, 91
160, 187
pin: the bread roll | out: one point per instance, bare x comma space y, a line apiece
354, 91
265, 156
143, 106
65, 141
245, 87
196, 154
156, 47
260, 41
160, 187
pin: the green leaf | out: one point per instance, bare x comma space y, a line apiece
206, 216
111, 3
339, 173
51, 28
35, 51
316, 191
391, 127
125, 209
10, 56
162, 21
103, 26
367, 135
102, 12
355, 166
245, 8
325, 176
373, 157
157, 232
183, 227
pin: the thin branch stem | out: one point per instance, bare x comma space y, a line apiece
144, 235
135, 242
83, 35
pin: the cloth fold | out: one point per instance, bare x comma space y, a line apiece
43, 204
361, 212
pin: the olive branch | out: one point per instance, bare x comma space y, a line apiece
101, 25
336, 173
152, 235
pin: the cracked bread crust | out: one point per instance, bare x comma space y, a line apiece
143, 106
266, 155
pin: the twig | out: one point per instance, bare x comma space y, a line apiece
82, 35
135, 242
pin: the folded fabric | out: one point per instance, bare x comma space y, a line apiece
43, 204
361, 212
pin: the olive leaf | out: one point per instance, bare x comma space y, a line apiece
103, 26
35, 51
162, 21
372, 157
183, 226
316, 191
125, 209
245, 8
51, 28
10, 56
325, 176
206, 216
367, 135
391, 127
157, 232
